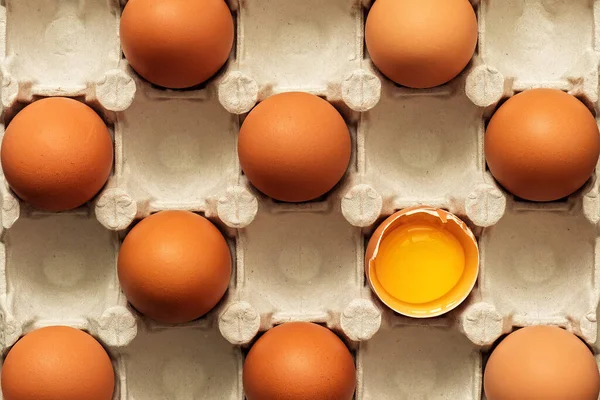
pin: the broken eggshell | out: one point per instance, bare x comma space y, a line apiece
451, 224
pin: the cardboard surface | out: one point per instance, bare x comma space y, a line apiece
304, 262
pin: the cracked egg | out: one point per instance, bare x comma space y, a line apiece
422, 262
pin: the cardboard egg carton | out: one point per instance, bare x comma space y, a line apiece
177, 149
419, 362
68, 50
539, 263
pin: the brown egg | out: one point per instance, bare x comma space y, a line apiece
177, 43
57, 154
542, 145
294, 147
174, 266
541, 363
421, 44
57, 363
299, 361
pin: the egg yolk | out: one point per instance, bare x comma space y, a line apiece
418, 263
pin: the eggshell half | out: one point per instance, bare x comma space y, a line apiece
459, 292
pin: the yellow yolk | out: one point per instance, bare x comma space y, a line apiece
419, 263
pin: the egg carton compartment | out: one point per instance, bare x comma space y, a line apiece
525, 44
169, 153
79, 43
181, 363
532, 41
316, 273
70, 35
537, 267
329, 33
316, 251
308, 46
422, 149
60, 269
299, 265
420, 362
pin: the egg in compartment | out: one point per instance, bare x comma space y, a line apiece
294, 147
57, 363
299, 361
174, 266
542, 145
57, 154
177, 43
541, 363
422, 262
421, 44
